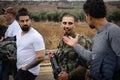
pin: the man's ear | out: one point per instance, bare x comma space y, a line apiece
61, 24
91, 17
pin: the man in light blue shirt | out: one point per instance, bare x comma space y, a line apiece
106, 41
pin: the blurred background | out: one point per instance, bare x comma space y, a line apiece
46, 16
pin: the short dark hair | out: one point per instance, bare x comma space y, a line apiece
68, 15
22, 12
95, 8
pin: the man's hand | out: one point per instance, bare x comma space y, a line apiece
51, 54
1, 39
10, 57
71, 41
24, 68
63, 75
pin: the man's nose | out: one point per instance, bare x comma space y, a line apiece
25, 22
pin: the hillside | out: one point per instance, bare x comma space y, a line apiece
49, 5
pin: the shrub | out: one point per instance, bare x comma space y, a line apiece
43, 16
35, 16
114, 16
56, 15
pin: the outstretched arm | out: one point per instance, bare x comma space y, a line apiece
86, 54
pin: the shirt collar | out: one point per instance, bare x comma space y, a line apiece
103, 28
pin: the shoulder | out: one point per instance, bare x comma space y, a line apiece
35, 34
85, 41
15, 23
83, 38
15, 26
113, 30
112, 27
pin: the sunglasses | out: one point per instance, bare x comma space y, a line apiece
69, 23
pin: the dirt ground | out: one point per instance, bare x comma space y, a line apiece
45, 73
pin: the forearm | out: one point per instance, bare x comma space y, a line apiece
34, 63
85, 54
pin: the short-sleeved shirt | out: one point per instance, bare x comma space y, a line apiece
13, 29
27, 46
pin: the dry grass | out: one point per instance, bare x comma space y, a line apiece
52, 32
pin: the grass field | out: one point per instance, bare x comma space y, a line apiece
52, 32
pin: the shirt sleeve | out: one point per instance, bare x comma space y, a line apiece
86, 54
39, 43
114, 38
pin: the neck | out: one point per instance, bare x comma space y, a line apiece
11, 21
99, 23
23, 33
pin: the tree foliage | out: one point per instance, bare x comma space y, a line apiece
114, 16
55, 15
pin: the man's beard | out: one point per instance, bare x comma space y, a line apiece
67, 30
91, 26
25, 28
